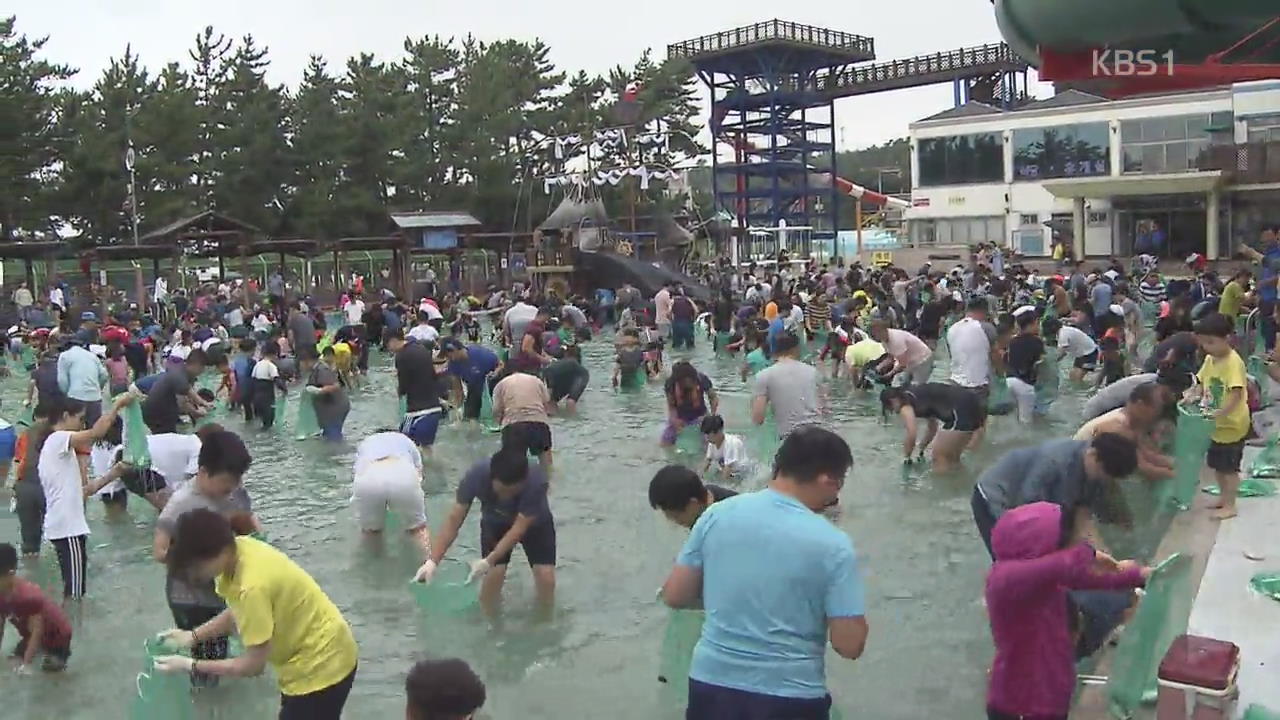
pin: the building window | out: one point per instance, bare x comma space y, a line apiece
1263, 128
1029, 219
1062, 151
957, 231
961, 159
1172, 144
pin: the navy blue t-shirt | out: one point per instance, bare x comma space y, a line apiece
477, 484
480, 362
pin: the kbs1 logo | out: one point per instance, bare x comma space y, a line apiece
1132, 63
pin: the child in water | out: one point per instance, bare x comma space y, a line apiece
43, 627
629, 362
266, 379
652, 341
726, 454
1033, 674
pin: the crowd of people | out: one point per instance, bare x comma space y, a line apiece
1053, 594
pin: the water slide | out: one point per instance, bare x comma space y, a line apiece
1206, 42
608, 269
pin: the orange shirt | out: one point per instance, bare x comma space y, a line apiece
771, 310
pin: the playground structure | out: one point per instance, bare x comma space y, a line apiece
773, 90
1140, 46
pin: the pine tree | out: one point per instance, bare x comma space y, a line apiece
31, 134
251, 158
94, 192
431, 74
318, 138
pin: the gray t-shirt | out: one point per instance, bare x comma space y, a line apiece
1054, 472
304, 331
331, 408
1114, 395
184, 500
792, 389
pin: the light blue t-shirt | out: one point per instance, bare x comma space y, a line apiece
773, 572
1100, 298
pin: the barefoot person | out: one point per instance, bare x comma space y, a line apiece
282, 616
43, 628
1223, 392
959, 411
513, 511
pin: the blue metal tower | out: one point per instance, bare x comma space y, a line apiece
767, 104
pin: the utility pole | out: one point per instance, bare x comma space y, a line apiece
129, 163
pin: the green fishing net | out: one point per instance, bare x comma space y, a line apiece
135, 437
1267, 583
161, 696
27, 417
1000, 399
486, 413
447, 593
404, 406
1161, 616
1249, 488
1267, 464
28, 357
684, 627
305, 424
1257, 712
1257, 367
721, 340
1048, 379
1190, 443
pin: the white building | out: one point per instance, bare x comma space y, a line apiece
1203, 168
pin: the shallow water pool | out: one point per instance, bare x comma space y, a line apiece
922, 559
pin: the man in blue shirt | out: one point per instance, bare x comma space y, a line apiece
772, 607
1269, 257
469, 366
81, 376
1100, 299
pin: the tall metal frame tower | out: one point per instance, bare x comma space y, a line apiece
767, 103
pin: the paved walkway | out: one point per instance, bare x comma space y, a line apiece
1227, 609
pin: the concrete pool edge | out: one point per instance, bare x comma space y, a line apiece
1215, 611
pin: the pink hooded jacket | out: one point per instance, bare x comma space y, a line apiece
1034, 673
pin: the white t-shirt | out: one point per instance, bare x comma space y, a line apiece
795, 319
174, 456
1075, 341
181, 352
732, 453
423, 333
101, 458
970, 353
433, 312
63, 494
261, 323
354, 312
385, 445
265, 370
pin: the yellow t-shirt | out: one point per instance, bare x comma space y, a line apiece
273, 600
1232, 299
771, 310
1219, 376
342, 356
863, 352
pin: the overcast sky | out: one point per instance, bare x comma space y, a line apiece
584, 34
